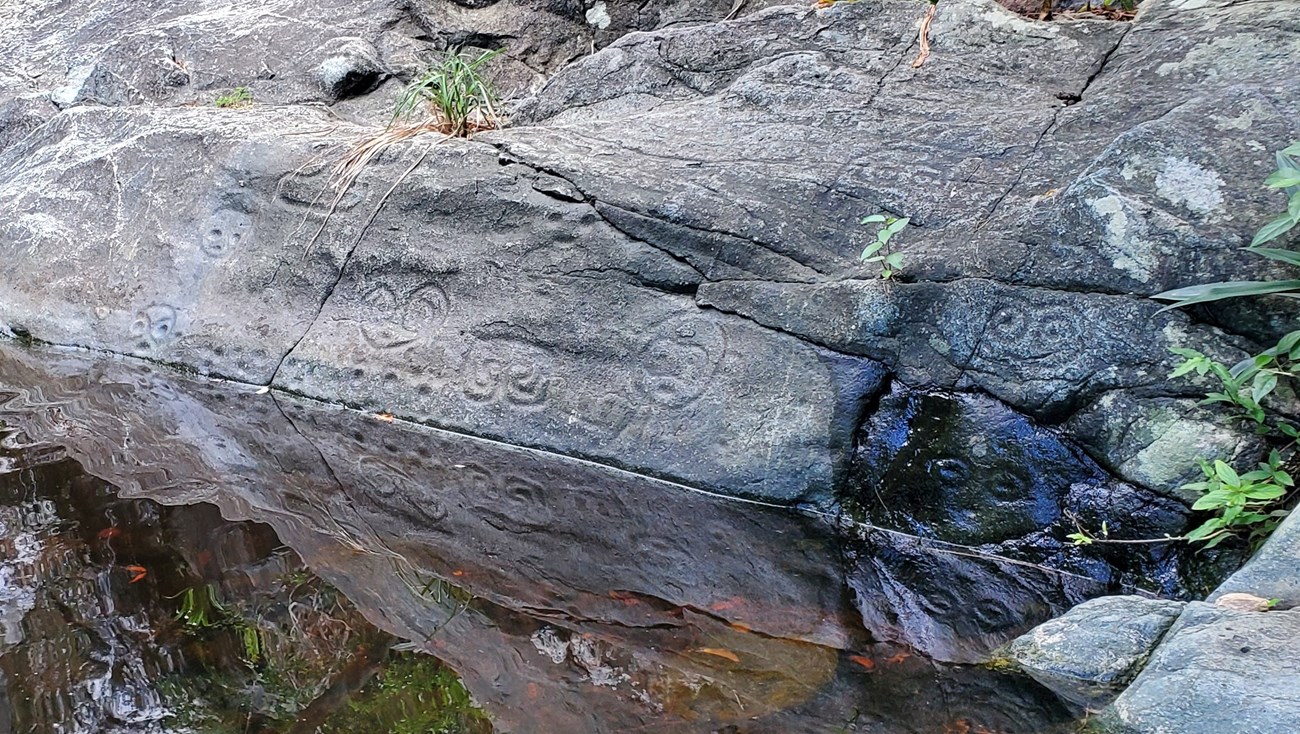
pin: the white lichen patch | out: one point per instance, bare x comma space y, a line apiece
549, 644
1187, 183
598, 16
1251, 111
1130, 253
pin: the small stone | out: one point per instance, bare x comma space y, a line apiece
352, 69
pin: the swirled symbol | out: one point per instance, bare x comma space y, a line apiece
516, 375
154, 325
679, 359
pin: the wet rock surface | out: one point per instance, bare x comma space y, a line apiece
1091, 652
967, 472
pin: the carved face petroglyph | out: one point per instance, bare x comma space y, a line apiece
400, 317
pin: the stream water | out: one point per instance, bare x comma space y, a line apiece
178, 555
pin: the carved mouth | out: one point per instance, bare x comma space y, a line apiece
387, 338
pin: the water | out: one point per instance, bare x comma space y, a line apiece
182, 555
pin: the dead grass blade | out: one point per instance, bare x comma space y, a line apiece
925, 35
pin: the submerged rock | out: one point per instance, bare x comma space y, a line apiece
570, 597
1092, 651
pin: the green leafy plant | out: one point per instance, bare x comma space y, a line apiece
199, 609
453, 94
879, 251
1243, 503
412, 694
237, 97
1246, 503
1287, 179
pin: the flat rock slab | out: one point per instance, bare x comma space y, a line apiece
1088, 654
1218, 670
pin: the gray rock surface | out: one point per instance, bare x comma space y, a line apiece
1092, 651
655, 266
1272, 572
1218, 670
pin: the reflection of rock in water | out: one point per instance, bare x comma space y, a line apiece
570, 597
95, 636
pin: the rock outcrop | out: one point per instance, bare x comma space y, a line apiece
1217, 670
655, 267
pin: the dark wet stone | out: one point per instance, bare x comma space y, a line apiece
964, 469
953, 603
961, 468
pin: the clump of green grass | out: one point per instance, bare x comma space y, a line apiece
452, 96
237, 97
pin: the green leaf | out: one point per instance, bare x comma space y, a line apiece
1291, 340
1289, 430
1264, 384
1282, 179
1274, 229
1283, 479
1218, 291
1213, 500
897, 225
873, 219
1206, 529
872, 249
1214, 540
894, 260
1293, 206
1225, 473
1266, 492
1290, 257
1292, 149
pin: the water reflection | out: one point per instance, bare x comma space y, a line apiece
567, 597
125, 615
